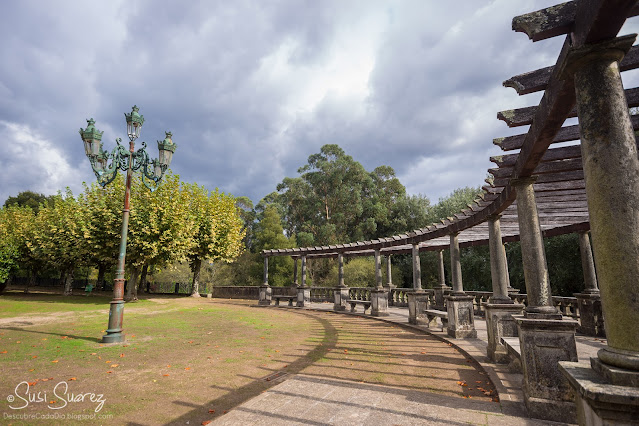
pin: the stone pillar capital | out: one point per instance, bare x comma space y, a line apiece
609, 50
494, 217
523, 181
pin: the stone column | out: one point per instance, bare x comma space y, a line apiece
500, 308
340, 292
379, 295
389, 282
511, 289
265, 289
461, 322
544, 338
417, 298
303, 291
591, 322
441, 289
611, 172
295, 282
417, 268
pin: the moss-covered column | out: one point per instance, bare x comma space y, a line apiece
461, 322
417, 298
340, 292
591, 321
533, 254
500, 308
417, 268
265, 289
379, 296
295, 282
303, 291
608, 392
611, 172
498, 264
441, 289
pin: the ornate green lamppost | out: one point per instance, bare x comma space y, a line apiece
106, 166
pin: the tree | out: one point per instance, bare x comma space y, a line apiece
102, 208
270, 235
161, 227
30, 199
218, 230
59, 239
16, 228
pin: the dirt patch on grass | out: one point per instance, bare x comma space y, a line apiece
189, 357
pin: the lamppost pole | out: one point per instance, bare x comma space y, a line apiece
128, 161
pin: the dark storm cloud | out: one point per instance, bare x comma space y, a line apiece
250, 89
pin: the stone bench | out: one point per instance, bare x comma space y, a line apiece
282, 297
433, 314
365, 304
514, 353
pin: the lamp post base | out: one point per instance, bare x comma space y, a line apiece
116, 313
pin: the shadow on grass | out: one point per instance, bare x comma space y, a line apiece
71, 336
244, 393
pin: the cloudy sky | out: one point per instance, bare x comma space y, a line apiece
251, 88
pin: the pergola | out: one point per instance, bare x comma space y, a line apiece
553, 179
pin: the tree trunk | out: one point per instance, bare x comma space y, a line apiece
30, 281
143, 284
197, 266
132, 285
68, 282
99, 285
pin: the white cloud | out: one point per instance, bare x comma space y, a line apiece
32, 162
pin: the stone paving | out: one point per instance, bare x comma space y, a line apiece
309, 400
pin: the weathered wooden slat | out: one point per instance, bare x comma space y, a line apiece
559, 186
536, 81
552, 154
542, 168
545, 178
551, 21
524, 116
565, 134
545, 23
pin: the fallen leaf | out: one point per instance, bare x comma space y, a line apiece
168, 366
45, 380
94, 353
55, 361
165, 375
211, 411
109, 372
114, 365
32, 383
121, 355
33, 369
3, 352
52, 402
187, 368
423, 352
108, 362
72, 379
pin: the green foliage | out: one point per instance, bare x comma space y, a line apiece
358, 272
453, 203
270, 235
29, 199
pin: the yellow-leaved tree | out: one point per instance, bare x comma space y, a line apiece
218, 234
